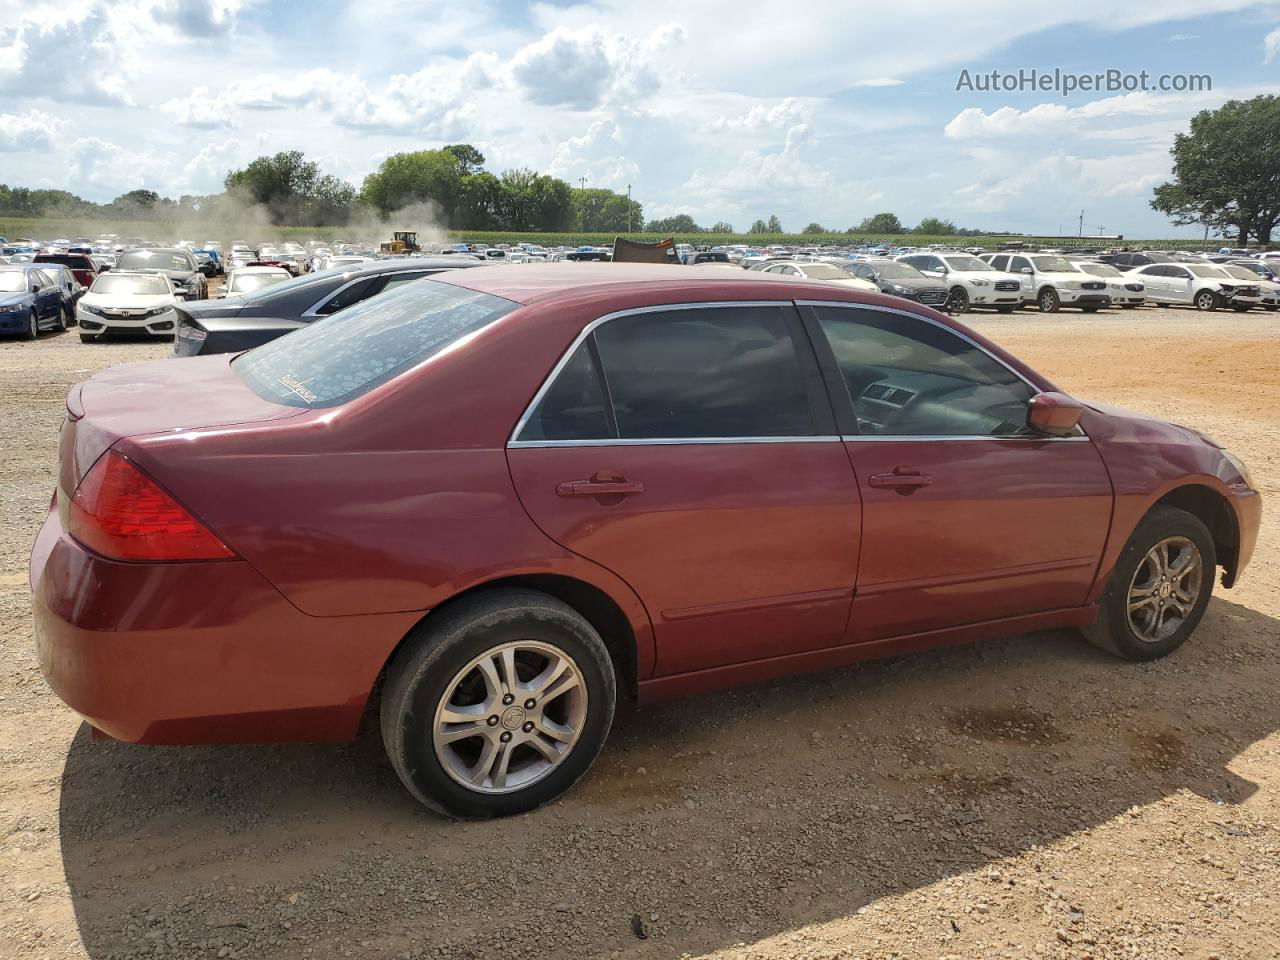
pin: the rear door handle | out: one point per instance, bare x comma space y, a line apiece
900, 478
599, 485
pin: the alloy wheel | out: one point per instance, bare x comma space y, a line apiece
510, 717
1164, 589
958, 302
33, 325
1205, 301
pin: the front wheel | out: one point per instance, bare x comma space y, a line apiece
33, 327
1159, 589
498, 704
958, 300
1049, 301
1206, 300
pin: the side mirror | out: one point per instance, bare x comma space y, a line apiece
1053, 414
35, 288
1025, 270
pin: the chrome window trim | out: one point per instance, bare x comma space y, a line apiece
850, 305
909, 438
665, 441
311, 311
590, 328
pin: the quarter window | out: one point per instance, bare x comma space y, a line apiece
908, 377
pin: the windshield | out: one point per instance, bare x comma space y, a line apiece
153, 260
1205, 270
1053, 265
13, 281
1100, 269
1246, 271
244, 282
349, 353
138, 284
969, 263
822, 271
892, 270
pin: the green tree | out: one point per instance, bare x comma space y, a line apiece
533, 201
420, 176
680, 223
137, 198
721, 226
472, 160
293, 189
1225, 170
814, 228
880, 223
758, 226
597, 210
934, 227
774, 225
480, 202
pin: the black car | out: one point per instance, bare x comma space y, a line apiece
232, 324
175, 263
900, 280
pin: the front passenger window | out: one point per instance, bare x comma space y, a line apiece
908, 377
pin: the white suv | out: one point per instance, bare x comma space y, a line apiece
1123, 289
971, 282
1202, 285
1051, 281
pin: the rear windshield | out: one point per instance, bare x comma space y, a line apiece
345, 355
244, 282
74, 261
153, 260
138, 284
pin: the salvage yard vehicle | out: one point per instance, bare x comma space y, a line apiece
238, 323
504, 499
901, 280
1051, 282
248, 279
128, 302
176, 263
970, 282
30, 301
1203, 286
1123, 290
1268, 286
826, 272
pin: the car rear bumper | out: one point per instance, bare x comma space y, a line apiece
197, 652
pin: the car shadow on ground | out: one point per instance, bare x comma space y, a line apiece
707, 823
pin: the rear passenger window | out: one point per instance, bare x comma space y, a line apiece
724, 372
347, 296
573, 406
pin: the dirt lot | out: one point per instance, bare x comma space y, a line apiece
1020, 798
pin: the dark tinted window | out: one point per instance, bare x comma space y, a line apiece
1000, 262
909, 377
348, 295
393, 280
1017, 263
715, 372
341, 357
573, 406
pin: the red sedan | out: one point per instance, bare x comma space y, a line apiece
488, 504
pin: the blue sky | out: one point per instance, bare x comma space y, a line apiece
729, 111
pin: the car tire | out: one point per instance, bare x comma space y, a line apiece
1207, 300
61, 325
1140, 577
958, 300
458, 660
1048, 300
33, 327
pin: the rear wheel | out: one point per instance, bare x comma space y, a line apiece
958, 300
498, 704
1206, 300
1159, 589
1049, 301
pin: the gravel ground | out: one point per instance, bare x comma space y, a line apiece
1018, 798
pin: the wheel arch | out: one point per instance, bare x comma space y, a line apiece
1211, 508
601, 610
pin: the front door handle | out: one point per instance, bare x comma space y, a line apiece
605, 483
902, 478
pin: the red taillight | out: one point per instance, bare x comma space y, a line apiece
121, 513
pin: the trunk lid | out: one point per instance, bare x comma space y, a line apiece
158, 397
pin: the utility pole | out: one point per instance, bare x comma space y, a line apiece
628, 208
1080, 232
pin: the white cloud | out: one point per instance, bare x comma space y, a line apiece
583, 68
202, 109
1181, 37
28, 131
1271, 45
880, 82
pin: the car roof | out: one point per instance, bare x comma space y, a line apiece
560, 280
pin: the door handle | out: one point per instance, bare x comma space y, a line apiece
603, 484
902, 478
